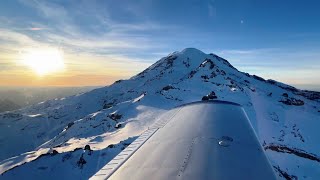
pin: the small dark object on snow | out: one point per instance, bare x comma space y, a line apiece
166, 88
205, 98
81, 162
87, 147
115, 116
205, 77
118, 126
70, 124
111, 146
285, 95
212, 95
54, 152
107, 106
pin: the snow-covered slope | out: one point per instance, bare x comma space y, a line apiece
47, 138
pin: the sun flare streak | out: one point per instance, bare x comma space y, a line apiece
44, 61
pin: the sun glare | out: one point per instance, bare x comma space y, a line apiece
44, 61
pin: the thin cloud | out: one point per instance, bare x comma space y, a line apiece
36, 29
114, 36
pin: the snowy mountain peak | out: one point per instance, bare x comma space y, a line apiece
108, 118
192, 52
182, 64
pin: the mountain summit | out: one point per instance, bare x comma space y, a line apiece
49, 137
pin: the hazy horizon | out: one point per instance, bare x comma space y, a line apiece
310, 87
13, 98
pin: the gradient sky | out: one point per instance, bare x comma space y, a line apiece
105, 40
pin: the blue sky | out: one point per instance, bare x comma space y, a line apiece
274, 39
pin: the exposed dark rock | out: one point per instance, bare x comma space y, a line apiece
170, 59
186, 63
290, 88
118, 81
213, 74
283, 86
212, 95
205, 77
270, 94
107, 106
54, 152
81, 162
312, 95
70, 124
205, 98
284, 174
296, 133
247, 81
115, 116
87, 147
270, 81
212, 65
206, 61
285, 95
168, 87
252, 89
12, 115
192, 73
292, 101
111, 146
118, 126
298, 152
66, 156
258, 78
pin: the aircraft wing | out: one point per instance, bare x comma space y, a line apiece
201, 140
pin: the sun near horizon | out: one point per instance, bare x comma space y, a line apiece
43, 61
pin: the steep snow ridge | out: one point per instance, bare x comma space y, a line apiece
281, 115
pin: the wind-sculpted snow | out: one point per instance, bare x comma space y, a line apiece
279, 113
